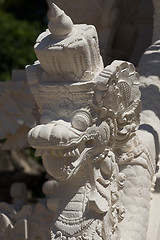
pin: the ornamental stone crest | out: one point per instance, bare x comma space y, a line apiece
87, 135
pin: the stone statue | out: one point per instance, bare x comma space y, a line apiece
88, 136
99, 150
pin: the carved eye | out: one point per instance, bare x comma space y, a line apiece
81, 120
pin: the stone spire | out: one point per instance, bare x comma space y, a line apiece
67, 52
60, 24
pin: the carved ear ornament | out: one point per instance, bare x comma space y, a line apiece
117, 97
117, 88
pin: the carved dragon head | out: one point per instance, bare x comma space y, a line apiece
82, 122
85, 110
88, 114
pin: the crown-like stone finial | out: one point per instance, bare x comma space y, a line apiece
59, 24
68, 52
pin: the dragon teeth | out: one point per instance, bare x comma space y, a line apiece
69, 153
66, 153
74, 153
77, 152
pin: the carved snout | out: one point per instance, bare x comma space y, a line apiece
55, 133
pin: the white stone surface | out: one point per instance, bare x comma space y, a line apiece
100, 152
150, 88
112, 19
68, 52
88, 138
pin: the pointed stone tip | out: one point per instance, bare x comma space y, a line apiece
56, 11
60, 24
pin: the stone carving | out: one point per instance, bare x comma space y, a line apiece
88, 136
100, 154
112, 19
